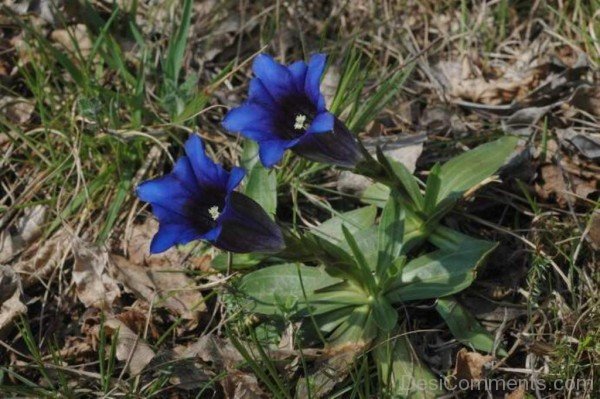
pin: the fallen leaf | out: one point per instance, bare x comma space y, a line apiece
17, 110
10, 298
553, 185
137, 247
184, 373
239, 385
131, 348
222, 355
93, 284
39, 260
521, 123
74, 39
594, 232
585, 142
27, 229
162, 285
518, 393
332, 369
470, 366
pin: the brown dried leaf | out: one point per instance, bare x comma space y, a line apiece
38, 261
518, 393
470, 366
93, 285
585, 142
553, 185
10, 298
17, 110
333, 369
27, 229
138, 247
222, 355
239, 385
594, 232
131, 348
163, 285
74, 39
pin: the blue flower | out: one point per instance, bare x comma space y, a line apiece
197, 201
286, 110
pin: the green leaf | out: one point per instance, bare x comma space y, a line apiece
310, 248
432, 189
471, 168
400, 369
283, 287
376, 194
261, 184
221, 262
176, 49
386, 91
439, 273
367, 244
358, 327
367, 281
384, 314
465, 327
408, 181
262, 187
355, 220
390, 235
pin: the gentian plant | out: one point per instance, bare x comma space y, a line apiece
344, 280
197, 201
286, 110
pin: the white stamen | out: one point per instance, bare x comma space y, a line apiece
214, 213
300, 122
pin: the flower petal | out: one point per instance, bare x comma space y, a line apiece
258, 93
316, 66
276, 77
184, 173
207, 172
235, 178
169, 216
322, 123
337, 147
166, 191
172, 234
248, 117
212, 235
246, 227
298, 70
271, 151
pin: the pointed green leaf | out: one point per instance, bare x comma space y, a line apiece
432, 189
221, 262
401, 371
358, 327
376, 194
390, 235
261, 185
285, 285
384, 314
354, 221
367, 280
465, 327
366, 240
471, 168
439, 273
408, 181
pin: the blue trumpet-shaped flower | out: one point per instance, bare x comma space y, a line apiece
197, 201
286, 110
